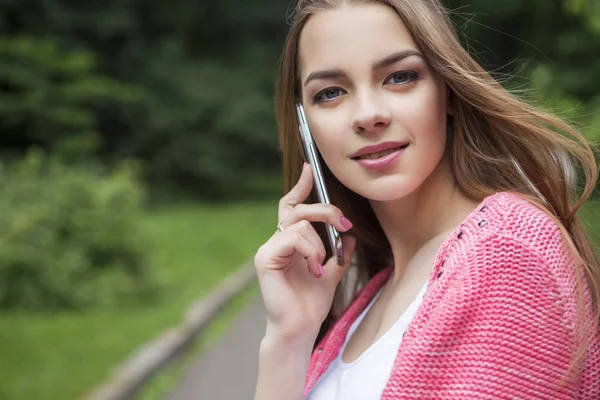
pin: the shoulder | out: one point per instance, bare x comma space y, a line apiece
515, 219
520, 246
512, 269
507, 227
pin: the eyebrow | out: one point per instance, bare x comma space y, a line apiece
389, 60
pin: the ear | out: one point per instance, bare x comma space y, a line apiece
449, 100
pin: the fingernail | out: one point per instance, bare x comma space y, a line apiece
320, 268
346, 223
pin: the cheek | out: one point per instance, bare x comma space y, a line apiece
424, 117
331, 138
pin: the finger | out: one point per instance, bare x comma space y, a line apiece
308, 231
319, 212
292, 243
333, 271
300, 191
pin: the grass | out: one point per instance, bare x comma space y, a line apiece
62, 355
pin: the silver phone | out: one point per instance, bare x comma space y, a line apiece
310, 153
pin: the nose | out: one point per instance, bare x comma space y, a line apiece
370, 115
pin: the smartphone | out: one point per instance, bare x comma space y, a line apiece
311, 155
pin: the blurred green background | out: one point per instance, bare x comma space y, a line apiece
136, 136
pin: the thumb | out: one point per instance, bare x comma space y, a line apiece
302, 189
298, 193
334, 272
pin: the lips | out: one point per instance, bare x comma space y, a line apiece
381, 163
377, 151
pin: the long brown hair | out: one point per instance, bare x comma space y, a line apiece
498, 143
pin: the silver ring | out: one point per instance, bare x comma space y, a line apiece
279, 227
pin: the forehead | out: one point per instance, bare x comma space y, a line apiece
351, 36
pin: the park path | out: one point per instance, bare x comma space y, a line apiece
228, 370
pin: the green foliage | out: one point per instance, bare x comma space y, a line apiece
585, 116
589, 9
49, 96
70, 238
208, 125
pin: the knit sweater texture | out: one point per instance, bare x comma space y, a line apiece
499, 318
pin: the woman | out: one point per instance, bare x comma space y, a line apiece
458, 201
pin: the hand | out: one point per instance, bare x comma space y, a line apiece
296, 287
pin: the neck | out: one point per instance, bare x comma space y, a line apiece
425, 216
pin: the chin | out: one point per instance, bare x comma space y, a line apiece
386, 188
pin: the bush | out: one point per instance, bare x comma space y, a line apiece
70, 238
54, 97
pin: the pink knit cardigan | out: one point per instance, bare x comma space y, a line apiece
498, 320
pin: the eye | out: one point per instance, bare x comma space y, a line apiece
401, 78
328, 94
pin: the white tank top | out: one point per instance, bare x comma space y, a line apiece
365, 377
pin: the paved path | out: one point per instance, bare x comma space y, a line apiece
228, 370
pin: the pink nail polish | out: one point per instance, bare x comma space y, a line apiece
346, 223
320, 268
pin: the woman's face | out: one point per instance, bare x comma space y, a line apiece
365, 83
